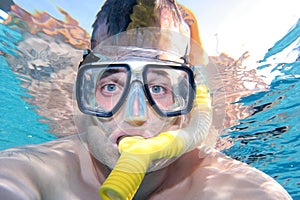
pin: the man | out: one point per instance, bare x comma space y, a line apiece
141, 98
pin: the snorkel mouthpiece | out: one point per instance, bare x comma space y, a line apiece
137, 153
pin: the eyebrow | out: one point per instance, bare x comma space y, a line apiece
159, 72
164, 74
109, 72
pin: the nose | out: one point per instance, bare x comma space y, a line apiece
136, 108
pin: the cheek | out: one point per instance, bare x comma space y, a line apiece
100, 147
107, 125
105, 102
168, 101
155, 120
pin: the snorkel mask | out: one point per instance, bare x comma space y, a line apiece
124, 83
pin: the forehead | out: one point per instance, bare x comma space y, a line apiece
160, 40
136, 56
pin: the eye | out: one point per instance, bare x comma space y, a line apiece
110, 87
156, 89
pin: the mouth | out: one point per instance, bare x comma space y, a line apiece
120, 138
119, 135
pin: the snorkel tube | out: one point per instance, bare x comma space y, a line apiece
137, 153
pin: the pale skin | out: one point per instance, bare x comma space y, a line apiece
64, 169
68, 168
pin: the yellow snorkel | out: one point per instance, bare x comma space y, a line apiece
137, 153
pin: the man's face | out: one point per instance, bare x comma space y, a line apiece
146, 105
135, 116
104, 136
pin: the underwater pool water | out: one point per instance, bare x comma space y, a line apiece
268, 139
20, 124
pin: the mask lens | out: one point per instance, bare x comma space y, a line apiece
110, 87
171, 89
101, 88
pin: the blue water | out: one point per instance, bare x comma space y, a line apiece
19, 123
267, 140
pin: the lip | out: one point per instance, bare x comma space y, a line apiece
118, 135
120, 138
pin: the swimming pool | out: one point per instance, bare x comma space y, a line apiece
268, 138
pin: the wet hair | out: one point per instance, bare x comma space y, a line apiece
117, 16
112, 19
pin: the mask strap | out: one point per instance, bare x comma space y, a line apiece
88, 57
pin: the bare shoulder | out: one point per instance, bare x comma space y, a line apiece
29, 172
208, 174
33, 159
226, 178
41, 153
